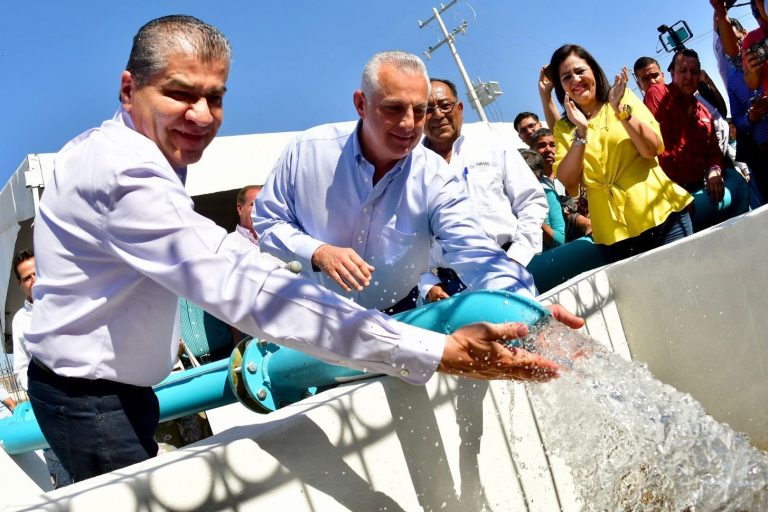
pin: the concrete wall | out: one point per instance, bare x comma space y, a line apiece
697, 313
379, 444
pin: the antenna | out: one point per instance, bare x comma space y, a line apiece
488, 91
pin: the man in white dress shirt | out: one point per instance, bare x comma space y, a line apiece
507, 197
121, 241
359, 203
24, 268
245, 199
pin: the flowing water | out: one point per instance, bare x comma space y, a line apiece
636, 444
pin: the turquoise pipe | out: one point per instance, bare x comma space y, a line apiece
20, 433
181, 394
495, 306
194, 390
275, 376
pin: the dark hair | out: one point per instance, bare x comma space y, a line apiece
450, 85
736, 24
686, 52
176, 33
541, 132
21, 257
643, 62
534, 160
522, 115
602, 85
243, 191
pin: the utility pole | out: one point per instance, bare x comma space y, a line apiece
449, 38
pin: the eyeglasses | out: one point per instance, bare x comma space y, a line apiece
530, 127
446, 108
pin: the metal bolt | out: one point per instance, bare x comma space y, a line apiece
252, 367
262, 343
262, 394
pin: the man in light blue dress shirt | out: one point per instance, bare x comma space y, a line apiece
118, 241
358, 203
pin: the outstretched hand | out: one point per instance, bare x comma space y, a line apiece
564, 316
474, 352
617, 90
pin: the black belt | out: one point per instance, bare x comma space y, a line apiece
43, 367
80, 384
406, 304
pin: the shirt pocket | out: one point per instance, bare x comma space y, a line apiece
485, 182
399, 247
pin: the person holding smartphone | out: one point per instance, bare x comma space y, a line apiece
755, 50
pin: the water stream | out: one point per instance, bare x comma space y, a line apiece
634, 443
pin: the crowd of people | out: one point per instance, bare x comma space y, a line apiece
396, 209
119, 242
645, 172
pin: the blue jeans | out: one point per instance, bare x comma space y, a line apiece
93, 426
678, 225
735, 201
59, 476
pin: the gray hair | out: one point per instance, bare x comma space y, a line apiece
176, 33
402, 61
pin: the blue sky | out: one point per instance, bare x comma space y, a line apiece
296, 63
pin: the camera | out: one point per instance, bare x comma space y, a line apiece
760, 49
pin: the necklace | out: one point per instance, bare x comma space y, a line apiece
591, 115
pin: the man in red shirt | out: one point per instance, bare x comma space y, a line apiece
692, 156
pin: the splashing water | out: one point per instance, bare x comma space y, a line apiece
634, 443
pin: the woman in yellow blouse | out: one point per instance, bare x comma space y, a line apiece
608, 141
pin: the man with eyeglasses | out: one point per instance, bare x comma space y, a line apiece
507, 197
525, 124
359, 204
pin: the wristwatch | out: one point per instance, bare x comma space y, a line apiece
579, 140
625, 114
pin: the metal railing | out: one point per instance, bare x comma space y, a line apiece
9, 381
